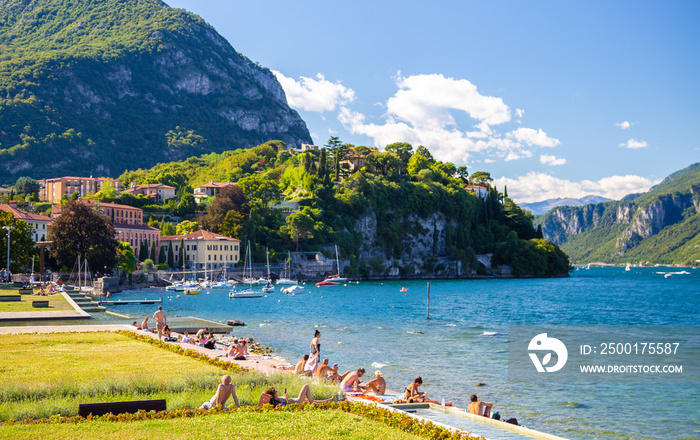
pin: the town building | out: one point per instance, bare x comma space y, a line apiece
157, 191
127, 221
39, 222
203, 250
478, 190
52, 190
210, 189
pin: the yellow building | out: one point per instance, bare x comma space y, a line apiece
203, 250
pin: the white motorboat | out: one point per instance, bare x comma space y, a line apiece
293, 290
287, 280
628, 268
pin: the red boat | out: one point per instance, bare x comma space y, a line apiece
327, 283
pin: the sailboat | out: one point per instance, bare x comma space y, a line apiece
268, 287
627, 268
249, 292
286, 280
335, 278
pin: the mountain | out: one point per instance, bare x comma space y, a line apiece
539, 208
101, 86
660, 226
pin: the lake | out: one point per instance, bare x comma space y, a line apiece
376, 326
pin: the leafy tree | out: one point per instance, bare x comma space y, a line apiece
423, 151
416, 164
21, 243
384, 163
148, 264
80, 230
234, 224
333, 142
27, 186
187, 227
168, 229
229, 199
126, 260
463, 174
402, 150
187, 205
299, 226
259, 191
107, 193
481, 178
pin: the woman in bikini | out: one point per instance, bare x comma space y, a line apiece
314, 353
412, 395
270, 396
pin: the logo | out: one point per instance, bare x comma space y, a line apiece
542, 343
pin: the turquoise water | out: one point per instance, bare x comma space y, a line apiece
374, 325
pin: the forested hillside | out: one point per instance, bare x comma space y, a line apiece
661, 226
100, 86
402, 210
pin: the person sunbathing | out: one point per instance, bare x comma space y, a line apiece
237, 351
210, 343
322, 370
478, 407
376, 385
144, 324
187, 339
335, 376
270, 396
299, 369
412, 395
352, 382
225, 390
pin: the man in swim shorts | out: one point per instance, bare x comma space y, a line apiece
352, 379
225, 390
161, 319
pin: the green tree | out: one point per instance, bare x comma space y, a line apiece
187, 227
21, 243
231, 198
259, 191
423, 151
168, 229
416, 164
161, 256
27, 186
299, 226
333, 142
322, 164
384, 163
171, 255
143, 251
234, 224
80, 230
182, 253
402, 150
187, 205
463, 174
481, 178
126, 260
152, 256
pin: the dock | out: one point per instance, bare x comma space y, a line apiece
120, 302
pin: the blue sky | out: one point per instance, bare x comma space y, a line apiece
554, 99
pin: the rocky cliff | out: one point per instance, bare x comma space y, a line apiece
96, 87
661, 226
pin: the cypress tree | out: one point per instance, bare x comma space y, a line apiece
322, 164
161, 256
171, 256
143, 251
182, 252
153, 252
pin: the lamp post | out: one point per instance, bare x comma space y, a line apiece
9, 230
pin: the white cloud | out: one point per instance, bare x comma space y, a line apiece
634, 144
314, 95
530, 137
624, 125
519, 112
551, 160
421, 112
535, 187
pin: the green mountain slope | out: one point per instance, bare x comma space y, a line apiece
100, 86
387, 218
660, 226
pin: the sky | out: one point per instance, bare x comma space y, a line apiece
553, 98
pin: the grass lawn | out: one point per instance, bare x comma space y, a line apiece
47, 374
269, 425
56, 303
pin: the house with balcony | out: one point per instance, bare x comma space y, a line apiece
210, 189
203, 250
52, 190
156, 191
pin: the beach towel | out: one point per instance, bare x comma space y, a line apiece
311, 363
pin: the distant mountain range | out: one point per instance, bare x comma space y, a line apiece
660, 226
101, 86
539, 208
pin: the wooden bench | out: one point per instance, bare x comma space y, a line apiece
98, 409
9, 298
26, 291
41, 303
